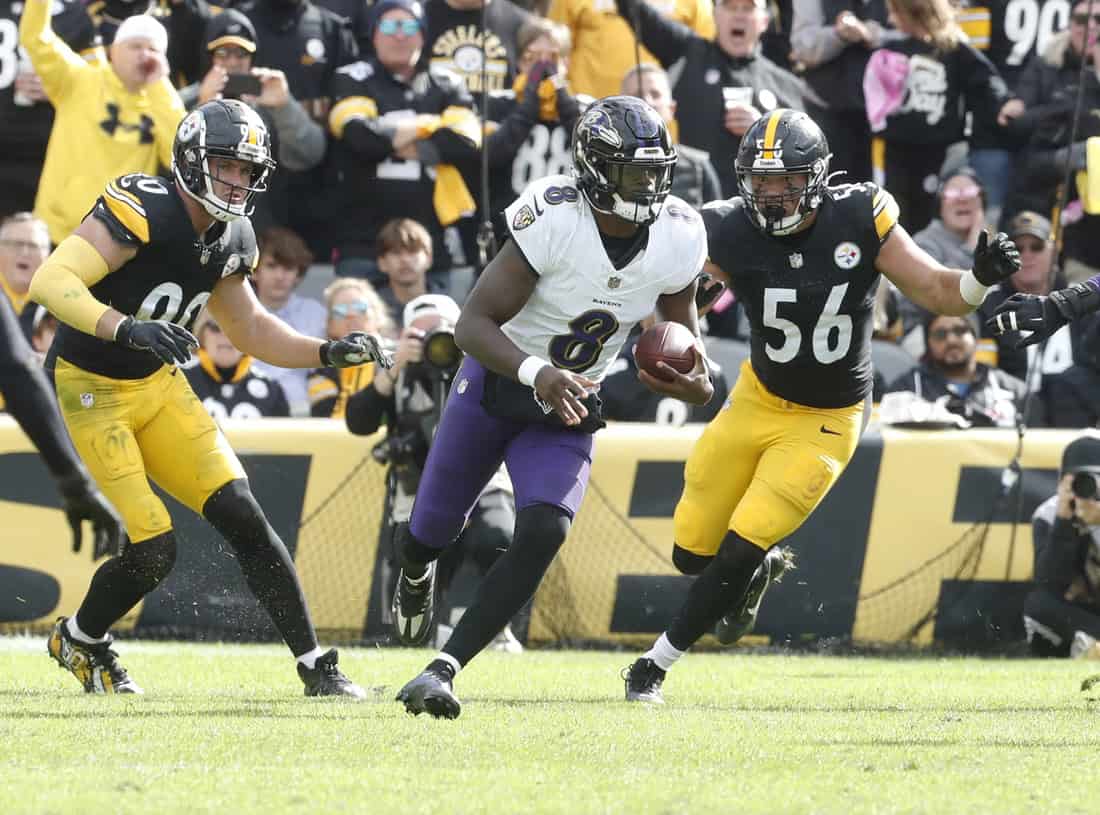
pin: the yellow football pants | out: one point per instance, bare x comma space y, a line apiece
130, 430
761, 467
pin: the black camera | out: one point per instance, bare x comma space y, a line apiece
440, 349
1085, 485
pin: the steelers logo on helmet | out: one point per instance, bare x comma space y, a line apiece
223, 129
623, 159
782, 170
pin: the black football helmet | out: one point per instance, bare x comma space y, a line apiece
783, 142
623, 158
222, 128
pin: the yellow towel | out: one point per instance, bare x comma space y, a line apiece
548, 97
451, 197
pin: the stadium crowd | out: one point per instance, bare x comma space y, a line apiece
964, 114
404, 132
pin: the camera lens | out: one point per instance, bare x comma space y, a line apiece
1085, 486
441, 351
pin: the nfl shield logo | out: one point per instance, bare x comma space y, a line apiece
796, 260
614, 282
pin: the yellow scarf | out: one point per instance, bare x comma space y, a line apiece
451, 197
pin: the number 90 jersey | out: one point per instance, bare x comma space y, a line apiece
808, 296
170, 277
583, 308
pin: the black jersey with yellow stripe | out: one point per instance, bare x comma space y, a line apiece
170, 277
808, 296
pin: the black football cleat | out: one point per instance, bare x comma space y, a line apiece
643, 682
739, 622
430, 692
414, 607
325, 679
95, 666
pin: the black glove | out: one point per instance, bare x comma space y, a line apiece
1027, 312
83, 502
170, 342
355, 349
995, 259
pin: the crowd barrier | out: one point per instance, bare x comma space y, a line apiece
914, 543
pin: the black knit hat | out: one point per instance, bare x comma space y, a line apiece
1083, 453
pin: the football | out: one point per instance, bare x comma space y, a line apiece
671, 343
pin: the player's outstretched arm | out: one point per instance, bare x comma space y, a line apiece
942, 290
502, 290
1042, 316
259, 333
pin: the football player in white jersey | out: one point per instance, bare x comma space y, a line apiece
588, 257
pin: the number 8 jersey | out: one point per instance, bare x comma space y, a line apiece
170, 277
583, 307
808, 296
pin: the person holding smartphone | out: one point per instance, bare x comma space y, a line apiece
1062, 611
297, 139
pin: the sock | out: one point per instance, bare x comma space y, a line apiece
663, 653
309, 658
74, 631
416, 581
445, 665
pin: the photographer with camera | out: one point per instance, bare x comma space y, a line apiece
409, 400
1062, 612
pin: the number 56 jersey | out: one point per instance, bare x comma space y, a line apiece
583, 307
809, 296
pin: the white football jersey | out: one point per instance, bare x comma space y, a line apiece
583, 308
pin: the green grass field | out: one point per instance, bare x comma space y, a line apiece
225, 729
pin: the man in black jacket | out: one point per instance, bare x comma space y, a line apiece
1062, 612
725, 84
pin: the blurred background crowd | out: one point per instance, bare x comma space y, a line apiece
382, 113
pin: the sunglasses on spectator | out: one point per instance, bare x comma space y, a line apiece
941, 334
230, 53
22, 246
359, 307
959, 193
407, 27
1083, 19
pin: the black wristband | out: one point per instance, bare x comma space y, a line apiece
1076, 301
323, 353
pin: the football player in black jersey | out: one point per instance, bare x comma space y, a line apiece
804, 259
159, 251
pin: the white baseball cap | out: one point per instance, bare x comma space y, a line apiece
145, 27
439, 304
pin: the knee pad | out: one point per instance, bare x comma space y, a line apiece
688, 562
541, 530
150, 561
737, 555
235, 513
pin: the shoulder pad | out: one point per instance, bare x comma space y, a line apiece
241, 255
129, 205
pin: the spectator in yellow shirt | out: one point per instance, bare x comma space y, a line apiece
603, 43
111, 118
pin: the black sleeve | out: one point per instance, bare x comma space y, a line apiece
368, 410
187, 38
986, 91
667, 39
30, 399
1057, 548
1066, 405
514, 126
347, 48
